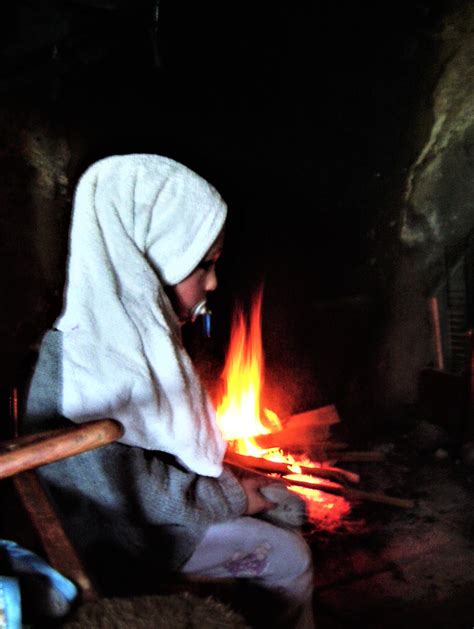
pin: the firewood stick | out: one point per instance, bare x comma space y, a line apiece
277, 467
355, 494
352, 456
338, 490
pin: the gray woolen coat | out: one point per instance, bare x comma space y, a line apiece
128, 511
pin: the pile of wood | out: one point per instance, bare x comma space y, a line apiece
311, 433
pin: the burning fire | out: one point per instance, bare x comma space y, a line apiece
239, 413
241, 418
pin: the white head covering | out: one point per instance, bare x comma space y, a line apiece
139, 221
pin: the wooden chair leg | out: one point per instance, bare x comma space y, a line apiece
18, 459
47, 526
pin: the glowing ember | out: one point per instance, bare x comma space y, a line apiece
241, 417
323, 508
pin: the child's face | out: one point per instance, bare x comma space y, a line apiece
194, 288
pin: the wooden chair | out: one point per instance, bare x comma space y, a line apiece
18, 459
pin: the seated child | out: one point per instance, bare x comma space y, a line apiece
146, 235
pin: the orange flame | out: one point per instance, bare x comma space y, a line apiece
239, 414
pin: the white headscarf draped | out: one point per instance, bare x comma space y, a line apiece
138, 221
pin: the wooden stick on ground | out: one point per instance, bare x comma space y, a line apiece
276, 467
355, 494
338, 490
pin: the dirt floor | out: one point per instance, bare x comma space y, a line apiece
393, 567
379, 566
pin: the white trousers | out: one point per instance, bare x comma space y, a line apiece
273, 558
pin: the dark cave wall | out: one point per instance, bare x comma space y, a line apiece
437, 217
307, 120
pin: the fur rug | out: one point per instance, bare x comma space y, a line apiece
180, 611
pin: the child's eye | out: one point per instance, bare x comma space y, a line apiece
206, 265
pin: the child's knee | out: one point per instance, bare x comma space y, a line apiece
301, 553
294, 562
303, 566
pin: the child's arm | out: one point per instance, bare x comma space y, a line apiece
205, 499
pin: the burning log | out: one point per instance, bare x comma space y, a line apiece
306, 430
275, 467
315, 484
354, 494
258, 440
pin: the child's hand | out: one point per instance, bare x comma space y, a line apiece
256, 501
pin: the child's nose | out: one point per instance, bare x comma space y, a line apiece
211, 281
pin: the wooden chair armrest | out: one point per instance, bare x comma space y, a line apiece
31, 451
